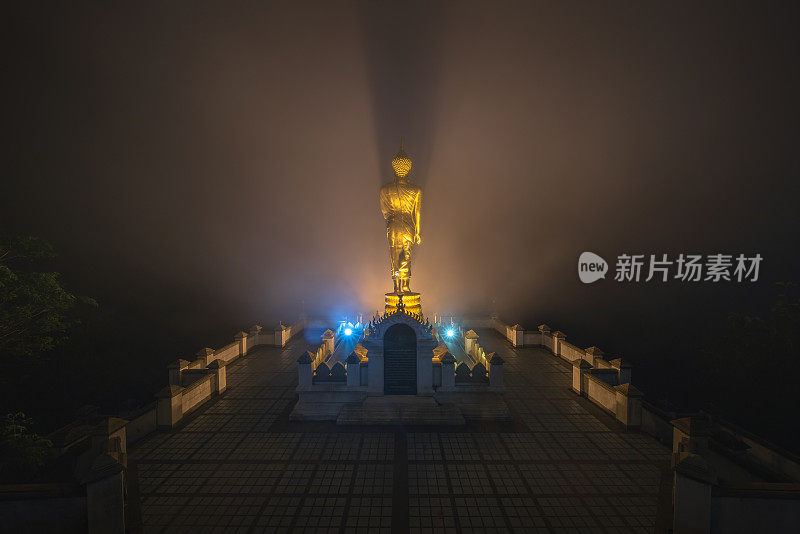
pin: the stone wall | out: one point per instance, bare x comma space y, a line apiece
570, 352
228, 353
532, 338
94, 481
548, 342
196, 394
141, 423
600, 393
656, 423
720, 487
192, 383
487, 369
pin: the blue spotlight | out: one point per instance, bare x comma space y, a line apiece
450, 332
348, 331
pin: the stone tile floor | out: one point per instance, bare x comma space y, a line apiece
239, 465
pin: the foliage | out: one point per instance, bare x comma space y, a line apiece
35, 310
751, 367
749, 338
22, 452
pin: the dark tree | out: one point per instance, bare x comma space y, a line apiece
22, 451
36, 312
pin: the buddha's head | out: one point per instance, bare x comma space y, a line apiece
401, 163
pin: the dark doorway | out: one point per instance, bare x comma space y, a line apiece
400, 361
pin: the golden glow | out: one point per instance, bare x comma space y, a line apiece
411, 302
401, 202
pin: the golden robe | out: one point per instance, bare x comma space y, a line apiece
401, 203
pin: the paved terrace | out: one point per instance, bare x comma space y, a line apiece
239, 465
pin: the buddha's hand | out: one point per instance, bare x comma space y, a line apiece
419, 239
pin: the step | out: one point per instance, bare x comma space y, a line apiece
400, 409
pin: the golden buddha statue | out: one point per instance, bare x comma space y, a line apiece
401, 202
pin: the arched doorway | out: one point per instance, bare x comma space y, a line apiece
400, 361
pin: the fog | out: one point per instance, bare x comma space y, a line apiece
219, 165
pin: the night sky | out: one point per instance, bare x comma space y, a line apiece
216, 164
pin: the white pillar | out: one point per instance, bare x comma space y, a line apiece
241, 338
353, 370
558, 337
593, 353
105, 498
169, 410
305, 372
470, 339
329, 340
175, 371
495, 371
281, 335
205, 356
518, 335
255, 336
425, 366
629, 405
448, 371
218, 368
623, 369
579, 367
693, 483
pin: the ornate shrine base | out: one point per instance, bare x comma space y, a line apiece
411, 301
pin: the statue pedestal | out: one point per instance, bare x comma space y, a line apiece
411, 301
